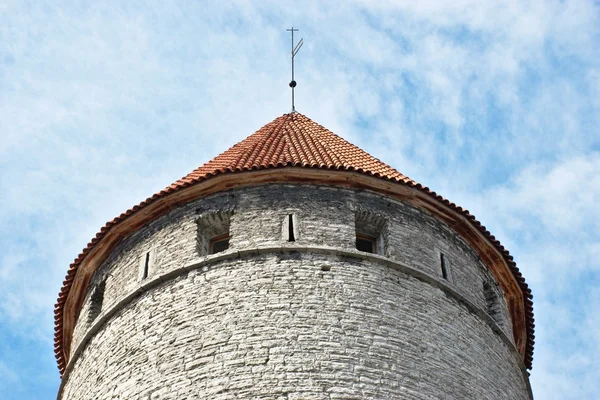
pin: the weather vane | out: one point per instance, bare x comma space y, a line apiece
294, 52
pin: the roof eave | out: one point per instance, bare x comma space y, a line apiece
81, 270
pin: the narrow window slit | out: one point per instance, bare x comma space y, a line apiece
444, 266
146, 266
291, 237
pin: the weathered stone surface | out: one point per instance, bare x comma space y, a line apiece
293, 325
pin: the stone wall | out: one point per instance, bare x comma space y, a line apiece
301, 326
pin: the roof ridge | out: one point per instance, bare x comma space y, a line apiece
345, 142
269, 136
323, 150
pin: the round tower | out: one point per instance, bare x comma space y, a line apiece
294, 266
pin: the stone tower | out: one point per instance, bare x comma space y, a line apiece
294, 266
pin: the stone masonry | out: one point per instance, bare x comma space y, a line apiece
309, 319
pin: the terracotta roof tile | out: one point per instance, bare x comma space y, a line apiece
290, 140
293, 139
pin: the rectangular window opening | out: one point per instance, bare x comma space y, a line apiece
371, 232
96, 300
213, 235
219, 243
444, 266
291, 237
365, 243
492, 299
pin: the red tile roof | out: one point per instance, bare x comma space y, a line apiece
291, 140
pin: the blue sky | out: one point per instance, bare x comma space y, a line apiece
495, 105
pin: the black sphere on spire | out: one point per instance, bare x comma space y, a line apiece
293, 84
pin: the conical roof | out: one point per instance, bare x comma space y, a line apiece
291, 140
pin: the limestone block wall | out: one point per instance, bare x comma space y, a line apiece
295, 326
361, 329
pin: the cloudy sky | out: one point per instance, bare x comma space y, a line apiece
494, 105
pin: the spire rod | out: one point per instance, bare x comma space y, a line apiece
294, 52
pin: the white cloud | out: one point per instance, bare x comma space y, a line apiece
493, 104
561, 196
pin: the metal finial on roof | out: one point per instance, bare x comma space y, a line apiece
294, 52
